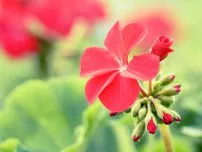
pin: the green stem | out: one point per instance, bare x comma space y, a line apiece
165, 132
42, 58
150, 87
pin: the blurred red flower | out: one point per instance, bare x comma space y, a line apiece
159, 22
14, 36
60, 15
114, 79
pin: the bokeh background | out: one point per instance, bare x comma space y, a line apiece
42, 103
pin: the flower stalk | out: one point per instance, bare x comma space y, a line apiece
150, 87
166, 135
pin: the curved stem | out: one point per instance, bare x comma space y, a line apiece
165, 132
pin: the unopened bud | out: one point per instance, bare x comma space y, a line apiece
142, 112
167, 118
170, 91
138, 131
152, 125
144, 100
166, 100
156, 87
163, 113
177, 88
176, 116
150, 120
135, 109
167, 79
158, 77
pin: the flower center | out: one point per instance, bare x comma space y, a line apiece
123, 68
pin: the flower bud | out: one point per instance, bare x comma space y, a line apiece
166, 100
177, 88
144, 100
163, 113
158, 77
156, 87
150, 120
161, 47
135, 109
167, 118
138, 131
176, 116
152, 125
142, 112
171, 91
167, 79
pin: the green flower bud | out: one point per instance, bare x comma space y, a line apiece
170, 91
163, 113
176, 116
166, 101
138, 131
156, 87
135, 109
167, 79
142, 112
144, 100
158, 77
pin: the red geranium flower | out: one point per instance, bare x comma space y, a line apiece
14, 36
59, 16
159, 22
114, 78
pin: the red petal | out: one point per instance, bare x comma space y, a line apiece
113, 41
132, 34
144, 66
97, 84
120, 94
97, 61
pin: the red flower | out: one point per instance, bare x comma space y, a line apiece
14, 36
162, 47
159, 22
59, 16
114, 79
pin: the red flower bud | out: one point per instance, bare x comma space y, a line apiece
161, 47
177, 88
167, 118
178, 119
151, 127
172, 76
136, 138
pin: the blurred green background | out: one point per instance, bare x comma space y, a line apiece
52, 115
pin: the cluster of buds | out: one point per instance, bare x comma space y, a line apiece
155, 108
